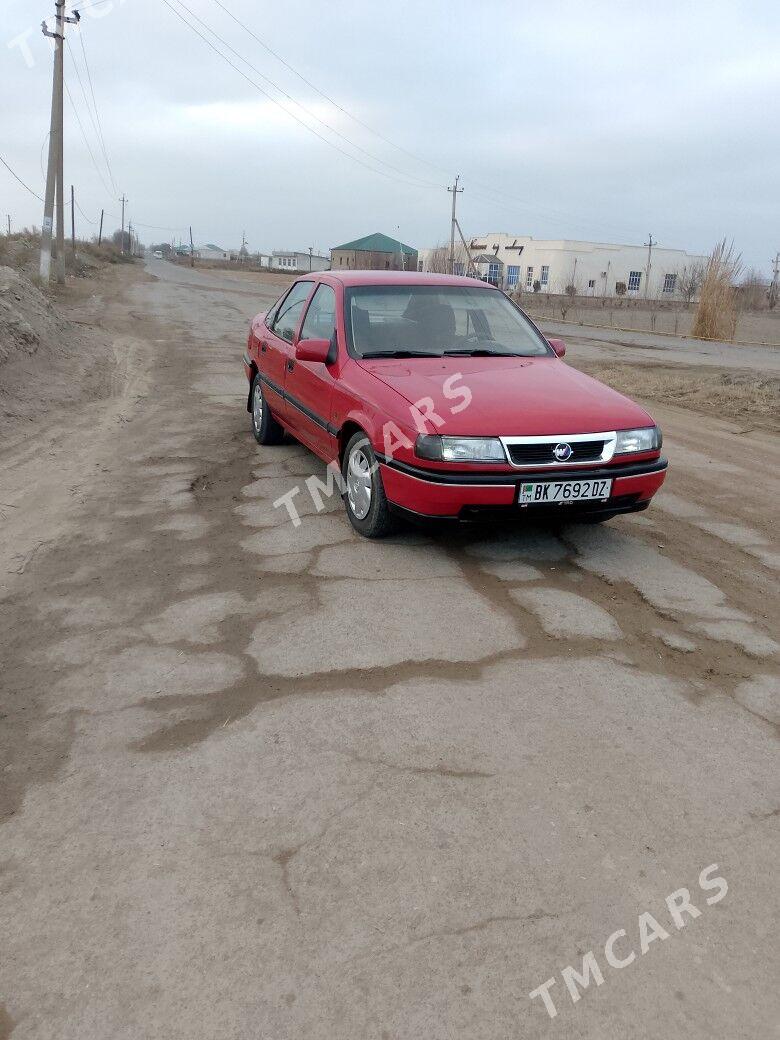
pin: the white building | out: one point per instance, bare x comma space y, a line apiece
284, 260
211, 252
593, 268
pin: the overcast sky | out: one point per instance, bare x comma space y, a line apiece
600, 121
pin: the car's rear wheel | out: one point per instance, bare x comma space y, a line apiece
265, 428
364, 495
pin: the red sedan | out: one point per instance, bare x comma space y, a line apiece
437, 397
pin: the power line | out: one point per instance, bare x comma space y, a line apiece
84, 136
270, 97
482, 188
18, 178
97, 113
322, 93
308, 111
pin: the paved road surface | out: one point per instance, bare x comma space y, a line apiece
267, 781
618, 345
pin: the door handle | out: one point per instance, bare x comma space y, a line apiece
263, 347
290, 364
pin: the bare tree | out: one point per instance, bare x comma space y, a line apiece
689, 281
753, 291
438, 261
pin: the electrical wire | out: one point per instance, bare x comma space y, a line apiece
488, 193
270, 97
84, 136
19, 179
99, 125
326, 97
303, 108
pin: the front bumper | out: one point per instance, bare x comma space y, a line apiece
473, 496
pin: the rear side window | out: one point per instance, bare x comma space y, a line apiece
289, 314
320, 321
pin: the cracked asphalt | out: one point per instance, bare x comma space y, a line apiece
261, 781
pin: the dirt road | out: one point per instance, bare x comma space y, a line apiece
279, 782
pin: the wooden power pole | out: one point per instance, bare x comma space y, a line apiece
100, 233
73, 219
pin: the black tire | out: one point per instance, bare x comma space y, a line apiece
377, 521
265, 428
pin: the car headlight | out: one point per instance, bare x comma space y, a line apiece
649, 438
460, 449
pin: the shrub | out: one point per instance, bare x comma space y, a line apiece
716, 314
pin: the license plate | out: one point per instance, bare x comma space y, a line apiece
553, 492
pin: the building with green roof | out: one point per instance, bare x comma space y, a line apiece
375, 252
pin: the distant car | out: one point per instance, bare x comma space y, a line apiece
157, 254
439, 398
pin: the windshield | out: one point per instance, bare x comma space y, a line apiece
435, 320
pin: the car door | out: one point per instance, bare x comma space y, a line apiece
309, 384
276, 344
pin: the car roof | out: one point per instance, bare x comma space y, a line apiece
352, 278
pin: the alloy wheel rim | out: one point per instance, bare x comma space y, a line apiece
359, 484
257, 406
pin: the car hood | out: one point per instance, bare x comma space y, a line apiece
510, 396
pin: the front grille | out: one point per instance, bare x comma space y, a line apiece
541, 454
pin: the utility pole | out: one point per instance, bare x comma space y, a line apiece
123, 200
192, 249
100, 233
650, 243
55, 161
455, 190
311, 251
772, 288
72, 220
9, 225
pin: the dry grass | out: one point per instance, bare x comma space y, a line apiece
21, 252
716, 314
745, 397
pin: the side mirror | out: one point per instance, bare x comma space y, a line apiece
558, 346
313, 350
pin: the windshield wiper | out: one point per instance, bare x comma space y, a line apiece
483, 352
399, 354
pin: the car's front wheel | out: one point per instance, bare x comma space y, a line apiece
364, 495
265, 428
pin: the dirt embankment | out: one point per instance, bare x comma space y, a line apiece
743, 396
47, 361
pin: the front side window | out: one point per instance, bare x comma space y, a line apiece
320, 321
289, 313
433, 321
634, 280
